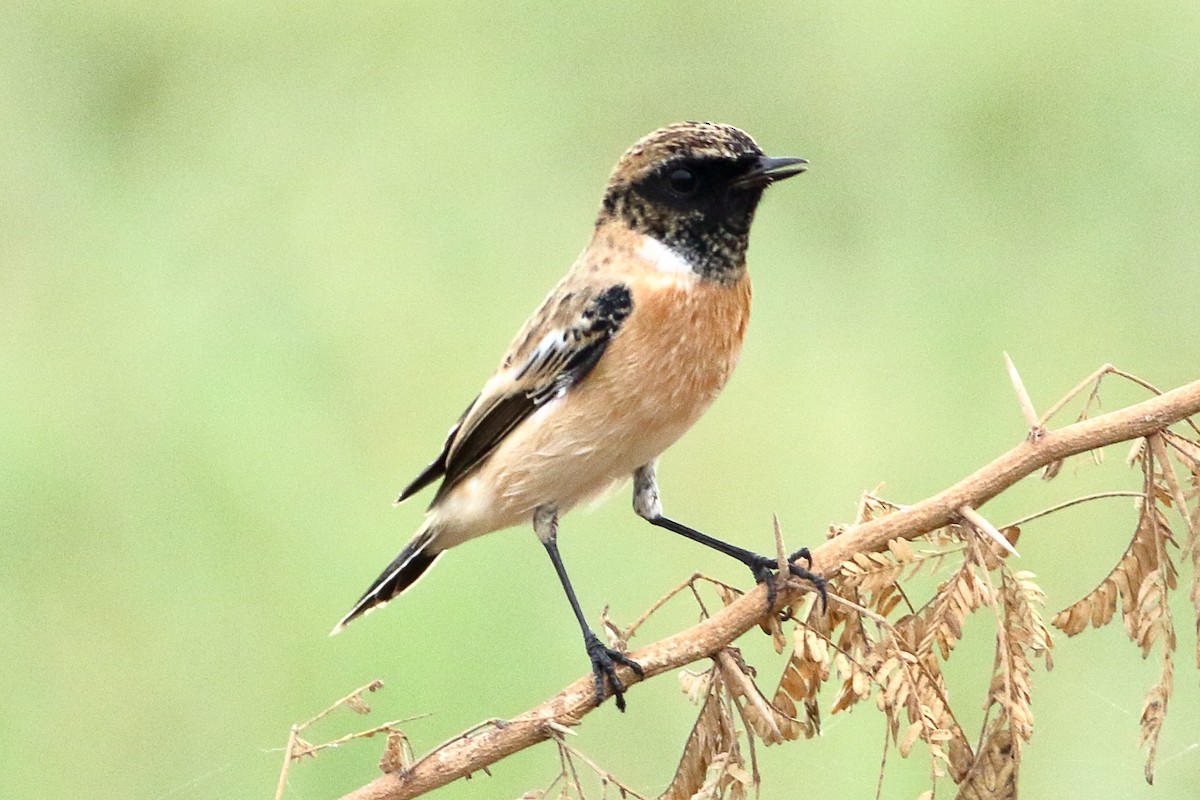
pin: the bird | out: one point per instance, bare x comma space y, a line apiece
625, 353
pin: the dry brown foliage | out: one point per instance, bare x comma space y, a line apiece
1145, 575
397, 753
878, 640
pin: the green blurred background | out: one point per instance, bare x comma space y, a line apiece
254, 259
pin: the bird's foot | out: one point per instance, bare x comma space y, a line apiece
604, 668
763, 569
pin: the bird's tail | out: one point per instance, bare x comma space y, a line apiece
402, 573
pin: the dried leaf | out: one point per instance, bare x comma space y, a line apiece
1195, 597
1154, 707
802, 676
397, 755
357, 704
728, 594
302, 748
738, 774
1145, 556
901, 550
1022, 637
1051, 470
717, 778
772, 626
1187, 455
910, 737
871, 506
613, 632
1143, 579
905, 666
870, 572
708, 749
942, 620
993, 776
695, 684
856, 683
771, 721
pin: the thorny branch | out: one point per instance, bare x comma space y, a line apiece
474, 752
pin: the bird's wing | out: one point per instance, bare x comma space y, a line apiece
556, 349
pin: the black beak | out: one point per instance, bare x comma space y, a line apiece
765, 171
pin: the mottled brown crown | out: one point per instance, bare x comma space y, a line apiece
710, 227
683, 139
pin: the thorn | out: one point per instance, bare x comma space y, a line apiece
983, 526
1035, 424
560, 729
780, 550
1135, 452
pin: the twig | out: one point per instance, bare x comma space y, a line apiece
887, 740
1067, 504
495, 723
1003, 655
604, 775
354, 700
878, 619
568, 764
387, 727
1182, 446
1096, 377
734, 675
1107, 369
690, 583
464, 756
1159, 449
1069, 396
287, 762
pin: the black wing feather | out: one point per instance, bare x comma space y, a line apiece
437, 468
554, 370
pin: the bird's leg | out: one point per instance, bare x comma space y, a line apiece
647, 504
604, 660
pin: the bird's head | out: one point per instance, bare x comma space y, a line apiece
694, 186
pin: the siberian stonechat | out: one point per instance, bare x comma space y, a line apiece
620, 359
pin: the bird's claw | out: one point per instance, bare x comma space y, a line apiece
801, 553
604, 668
763, 569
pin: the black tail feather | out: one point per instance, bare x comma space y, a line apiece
402, 573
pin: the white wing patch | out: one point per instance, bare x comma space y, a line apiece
663, 258
554, 340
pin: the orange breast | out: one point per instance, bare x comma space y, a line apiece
677, 348
662, 370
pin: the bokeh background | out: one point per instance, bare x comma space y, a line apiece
255, 258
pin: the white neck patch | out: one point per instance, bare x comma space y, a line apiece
663, 258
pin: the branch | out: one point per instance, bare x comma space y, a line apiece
476, 751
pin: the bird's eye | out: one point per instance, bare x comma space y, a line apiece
683, 181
